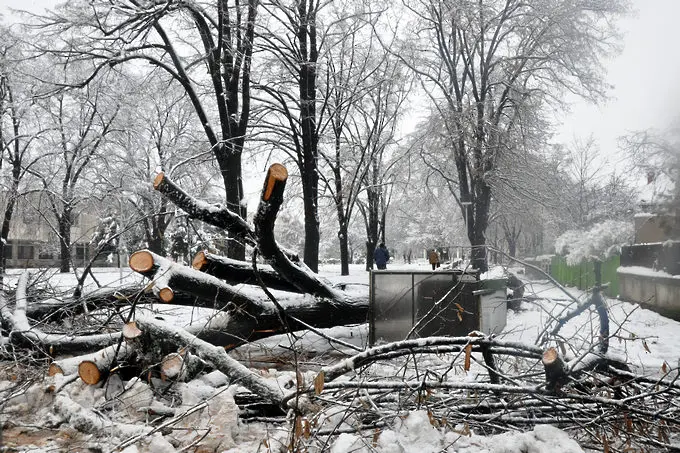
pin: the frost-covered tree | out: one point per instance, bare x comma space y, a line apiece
487, 65
161, 132
206, 48
656, 156
365, 91
598, 242
19, 129
81, 123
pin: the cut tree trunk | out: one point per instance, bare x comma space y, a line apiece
234, 271
22, 332
555, 370
217, 216
96, 367
270, 203
244, 317
70, 365
214, 355
182, 366
214, 215
169, 276
249, 315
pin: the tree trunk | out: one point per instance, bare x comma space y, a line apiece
229, 160
238, 272
312, 235
155, 243
306, 37
512, 246
4, 234
372, 213
344, 250
343, 220
65, 240
370, 249
477, 227
155, 229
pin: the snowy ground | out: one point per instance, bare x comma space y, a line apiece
646, 340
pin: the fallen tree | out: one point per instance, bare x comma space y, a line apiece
486, 382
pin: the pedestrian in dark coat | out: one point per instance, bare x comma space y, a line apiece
433, 258
381, 256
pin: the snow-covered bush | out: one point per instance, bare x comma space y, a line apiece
601, 241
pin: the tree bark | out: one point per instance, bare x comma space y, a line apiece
555, 370
229, 160
234, 271
308, 54
94, 368
344, 250
244, 317
217, 356
64, 229
220, 217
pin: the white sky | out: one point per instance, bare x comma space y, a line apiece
645, 77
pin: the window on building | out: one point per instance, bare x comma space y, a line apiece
46, 255
81, 251
8, 251
26, 252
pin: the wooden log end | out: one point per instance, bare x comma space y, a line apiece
171, 366
166, 295
89, 373
277, 173
550, 356
158, 180
131, 331
200, 261
54, 369
141, 261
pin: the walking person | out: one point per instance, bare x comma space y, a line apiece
433, 257
381, 256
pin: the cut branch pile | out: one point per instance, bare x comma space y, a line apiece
483, 383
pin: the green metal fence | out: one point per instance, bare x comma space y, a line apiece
582, 275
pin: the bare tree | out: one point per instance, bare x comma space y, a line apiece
364, 91
656, 154
482, 62
160, 132
294, 40
18, 130
80, 124
217, 37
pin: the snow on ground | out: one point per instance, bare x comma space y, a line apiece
415, 433
647, 340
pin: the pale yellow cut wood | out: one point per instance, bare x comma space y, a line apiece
277, 173
89, 372
158, 180
131, 331
166, 295
54, 369
550, 356
200, 261
141, 261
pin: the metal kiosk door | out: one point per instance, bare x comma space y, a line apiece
445, 317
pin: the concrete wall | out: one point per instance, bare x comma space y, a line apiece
655, 292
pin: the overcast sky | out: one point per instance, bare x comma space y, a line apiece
646, 76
